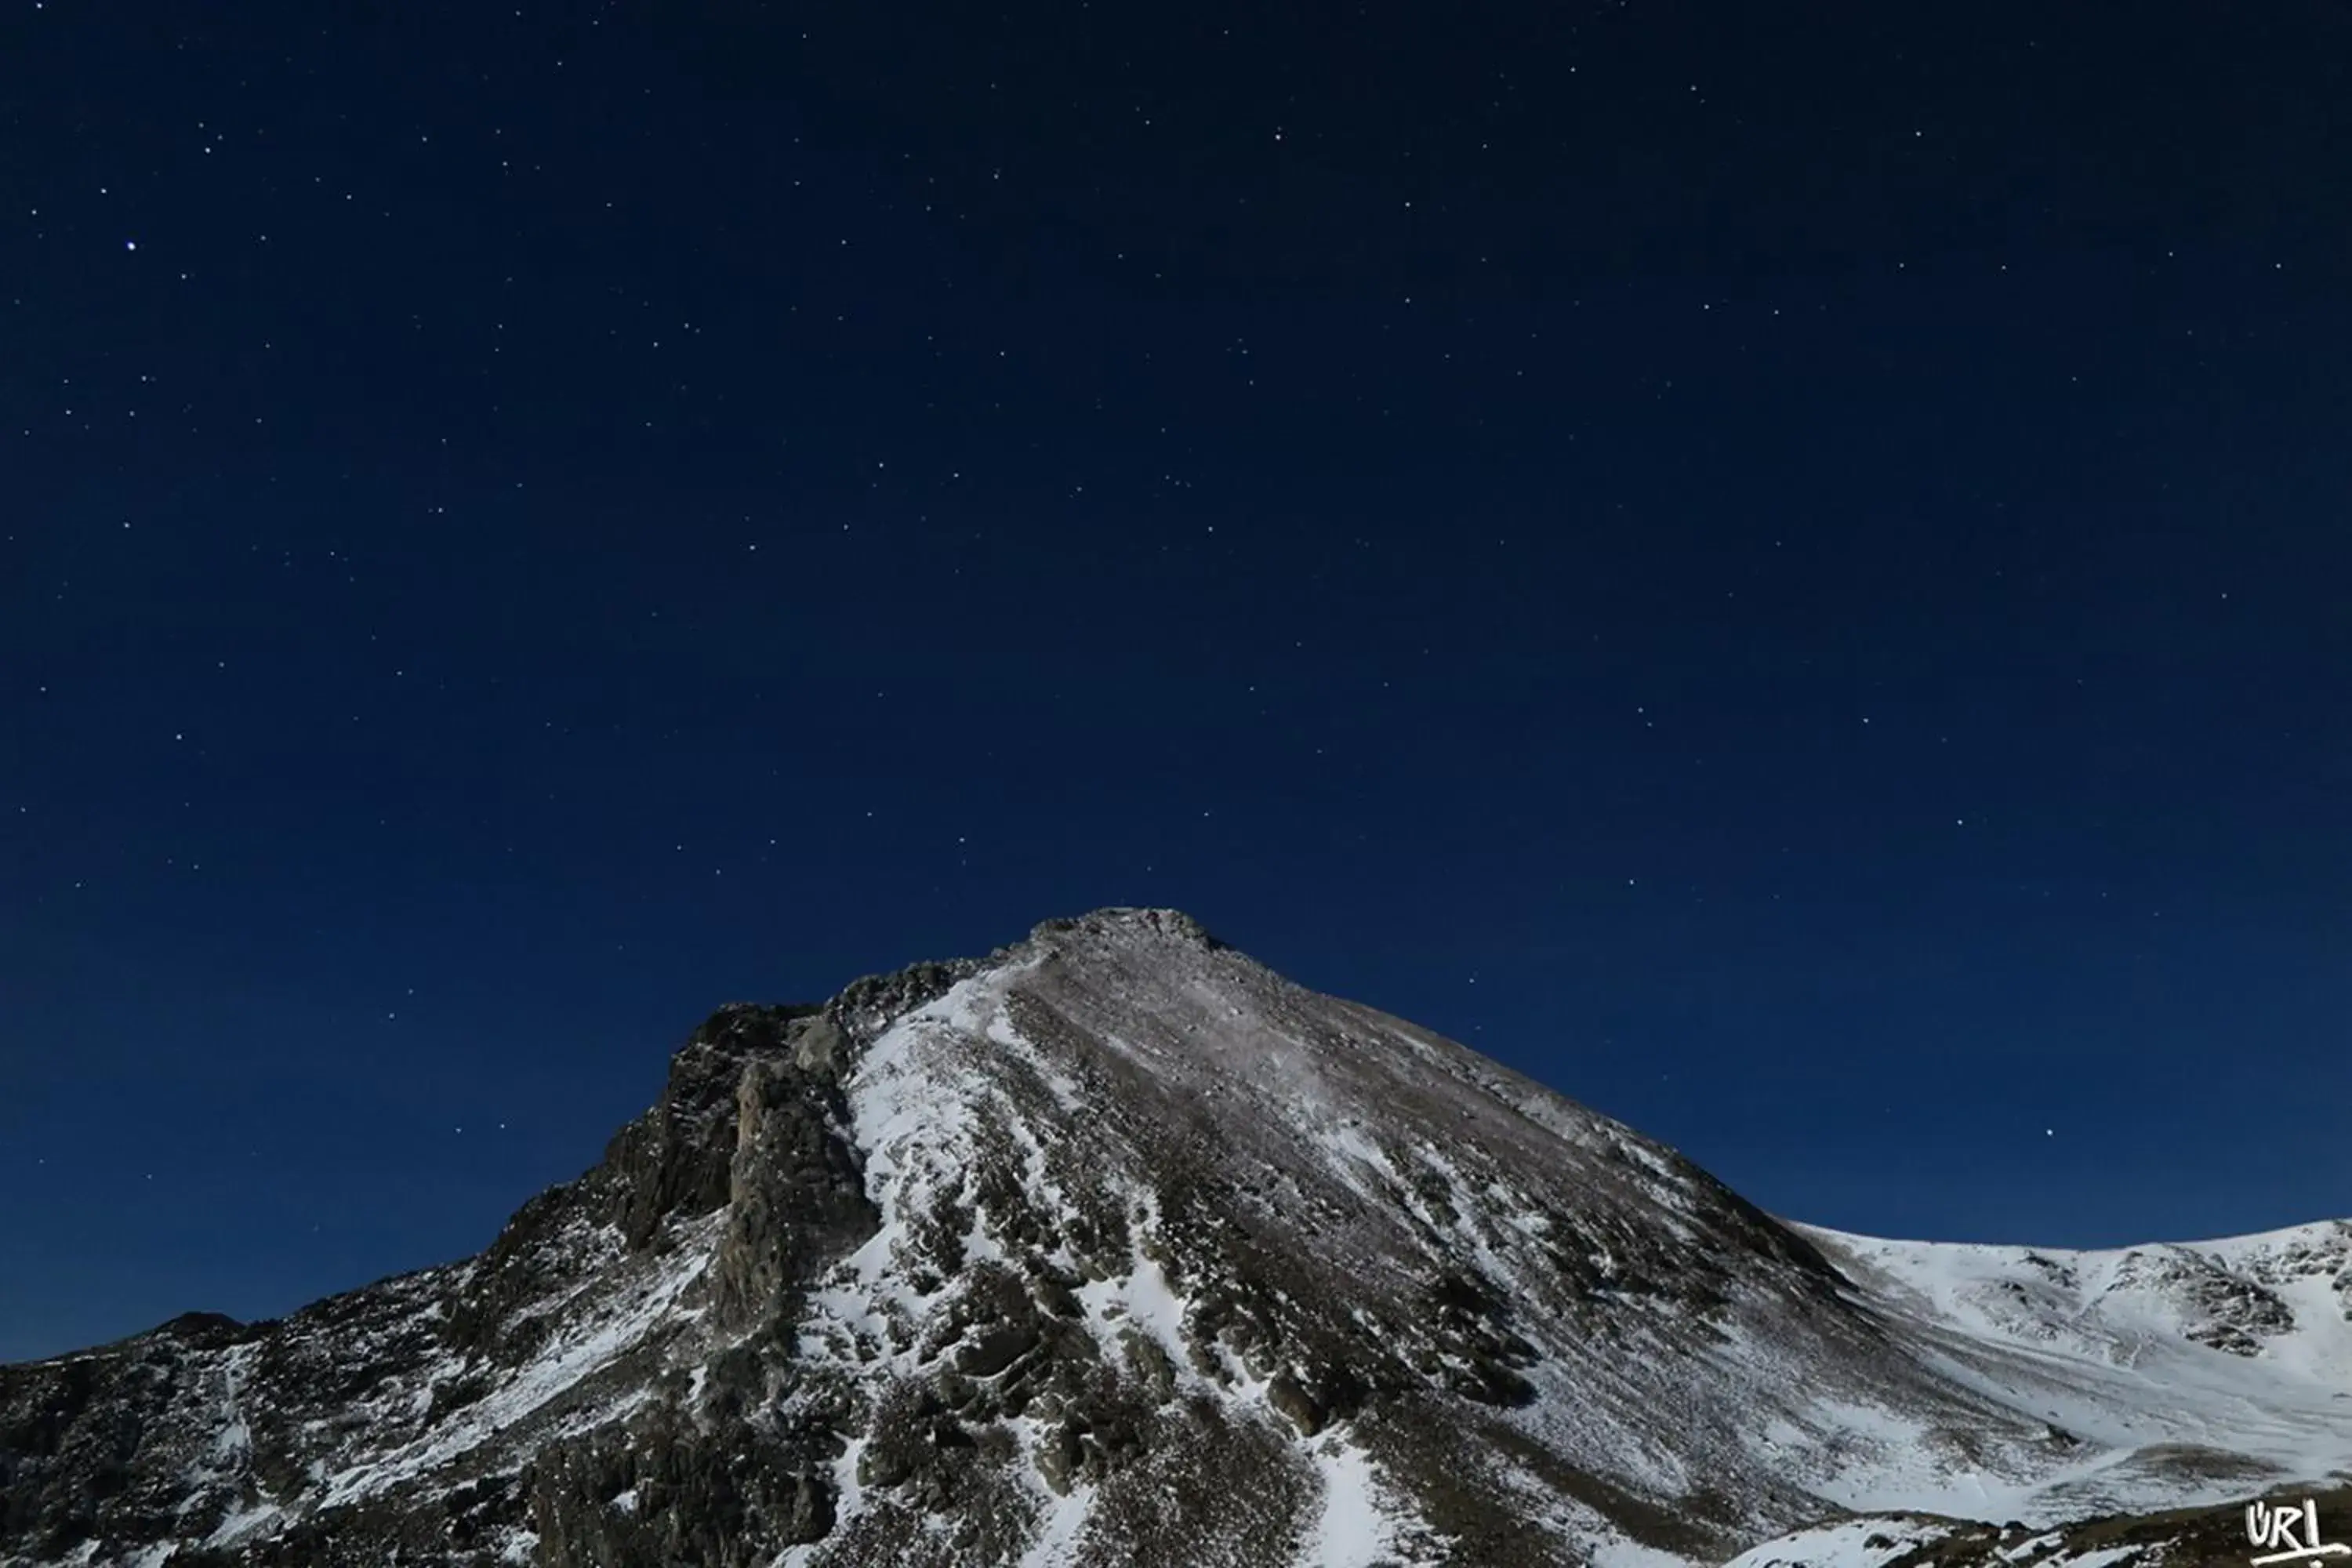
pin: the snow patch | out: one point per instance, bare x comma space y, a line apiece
1359, 1525
238, 1523
1850, 1544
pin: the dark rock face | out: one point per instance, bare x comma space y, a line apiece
794, 1193
678, 1158
1112, 1249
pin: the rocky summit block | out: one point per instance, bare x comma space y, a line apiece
1115, 1247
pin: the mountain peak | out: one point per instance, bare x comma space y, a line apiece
1115, 1246
1121, 923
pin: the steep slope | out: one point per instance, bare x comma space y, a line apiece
1116, 1248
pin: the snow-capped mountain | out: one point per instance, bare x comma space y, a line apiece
1116, 1248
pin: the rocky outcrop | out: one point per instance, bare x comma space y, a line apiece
795, 1191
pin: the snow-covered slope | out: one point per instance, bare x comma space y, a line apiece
2181, 1371
1117, 1248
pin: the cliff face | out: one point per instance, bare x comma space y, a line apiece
1115, 1247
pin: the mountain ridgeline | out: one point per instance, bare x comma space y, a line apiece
1115, 1247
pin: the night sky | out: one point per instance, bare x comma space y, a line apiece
1782, 569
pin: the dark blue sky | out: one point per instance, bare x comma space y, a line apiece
1783, 570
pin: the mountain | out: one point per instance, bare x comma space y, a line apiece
1116, 1248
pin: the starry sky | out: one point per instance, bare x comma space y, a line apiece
1781, 569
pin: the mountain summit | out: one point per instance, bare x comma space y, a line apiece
1116, 1248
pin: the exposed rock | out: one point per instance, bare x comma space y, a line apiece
1302, 1409
995, 1350
795, 1196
